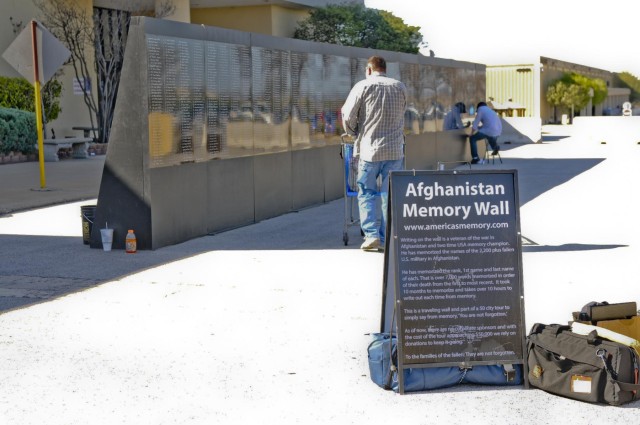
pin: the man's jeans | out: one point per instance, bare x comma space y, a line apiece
473, 143
372, 223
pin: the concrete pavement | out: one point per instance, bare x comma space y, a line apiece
66, 180
269, 323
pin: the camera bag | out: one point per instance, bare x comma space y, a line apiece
582, 367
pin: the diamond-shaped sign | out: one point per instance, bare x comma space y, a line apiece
51, 53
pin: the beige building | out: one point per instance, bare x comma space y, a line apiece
272, 17
16, 14
526, 85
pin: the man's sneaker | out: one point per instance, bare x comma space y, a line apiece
495, 151
475, 160
370, 244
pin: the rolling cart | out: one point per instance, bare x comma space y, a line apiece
350, 166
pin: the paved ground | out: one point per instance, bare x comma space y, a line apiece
269, 323
66, 180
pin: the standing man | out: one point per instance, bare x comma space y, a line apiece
491, 128
374, 114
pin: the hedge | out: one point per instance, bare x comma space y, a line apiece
18, 131
17, 93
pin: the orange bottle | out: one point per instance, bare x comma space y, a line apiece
131, 243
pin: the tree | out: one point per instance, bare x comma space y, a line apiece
598, 86
404, 38
110, 29
570, 96
555, 92
575, 97
68, 22
357, 26
102, 32
626, 79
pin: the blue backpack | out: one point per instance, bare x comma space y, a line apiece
383, 369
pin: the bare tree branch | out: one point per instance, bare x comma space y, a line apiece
105, 32
67, 20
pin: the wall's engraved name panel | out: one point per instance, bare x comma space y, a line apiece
214, 100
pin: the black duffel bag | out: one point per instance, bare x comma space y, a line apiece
582, 367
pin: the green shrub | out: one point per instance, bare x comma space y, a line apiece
18, 131
17, 93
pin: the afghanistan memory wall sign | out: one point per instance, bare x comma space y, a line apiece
454, 277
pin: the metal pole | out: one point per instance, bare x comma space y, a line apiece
36, 85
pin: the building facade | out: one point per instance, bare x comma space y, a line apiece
270, 17
527, 84
523, 84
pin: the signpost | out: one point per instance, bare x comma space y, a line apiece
453, 272
36, 54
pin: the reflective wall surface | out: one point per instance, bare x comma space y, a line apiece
216, 128
212, 99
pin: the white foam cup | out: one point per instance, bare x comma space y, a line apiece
107, 238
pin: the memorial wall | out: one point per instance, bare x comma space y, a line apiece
216, 128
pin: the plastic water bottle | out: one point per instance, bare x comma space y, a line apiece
131, 243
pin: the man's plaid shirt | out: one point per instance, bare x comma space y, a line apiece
374, 113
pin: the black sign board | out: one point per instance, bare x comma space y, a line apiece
453, 272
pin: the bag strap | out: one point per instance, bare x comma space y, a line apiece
560, 328
555, 328
625, 386
392, 367
592, 337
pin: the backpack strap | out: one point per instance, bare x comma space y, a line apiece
392, 367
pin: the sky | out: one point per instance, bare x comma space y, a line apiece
509, 32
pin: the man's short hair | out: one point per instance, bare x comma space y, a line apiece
377, 63
481, 104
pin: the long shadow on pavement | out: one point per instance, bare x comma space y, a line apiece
568, 247
537, 176
35, 269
